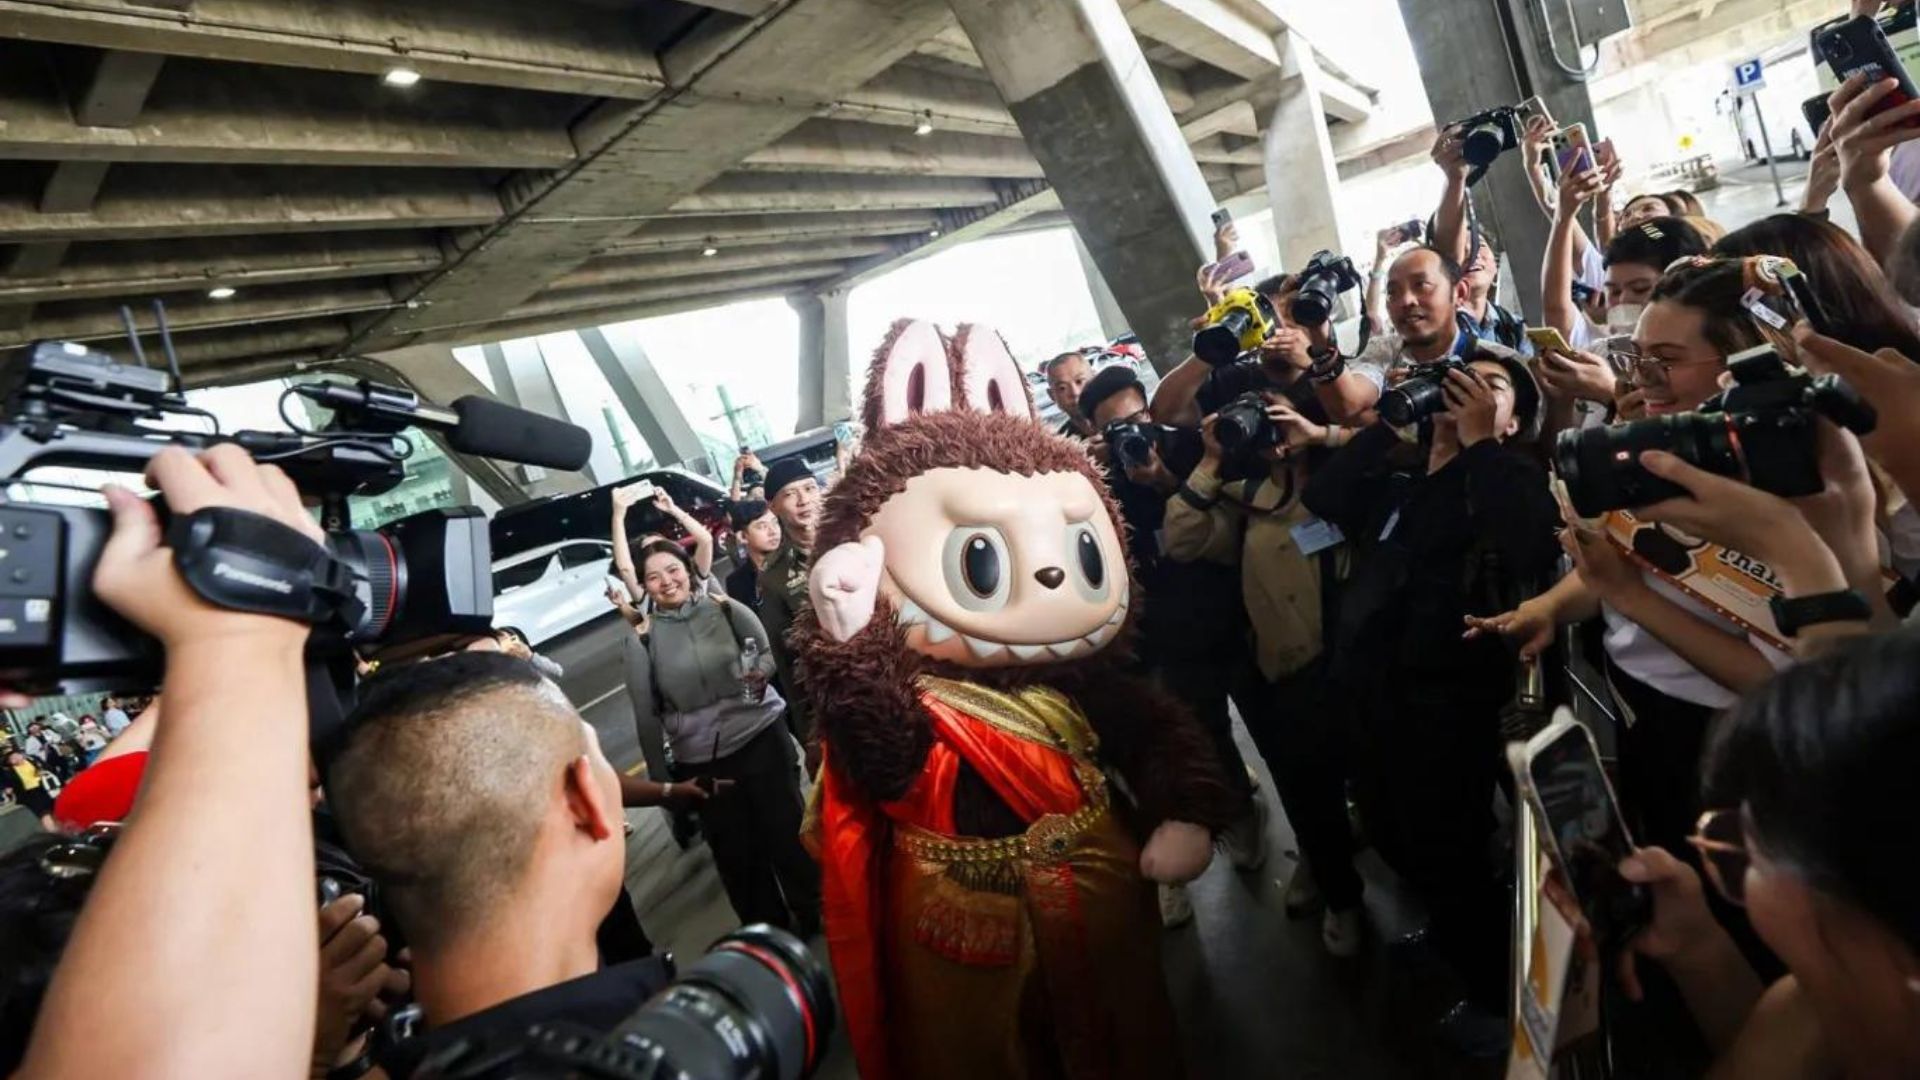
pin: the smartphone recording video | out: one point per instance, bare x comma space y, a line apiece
1582, 821
1858, 46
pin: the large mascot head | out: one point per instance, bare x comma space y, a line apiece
1003, 549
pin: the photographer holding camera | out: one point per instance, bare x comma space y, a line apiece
1460, 526
1676, 656
1192, 631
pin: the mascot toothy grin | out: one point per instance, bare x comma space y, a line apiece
909, 614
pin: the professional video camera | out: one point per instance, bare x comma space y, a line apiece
1320, 284
1421, 394
758, 1005
1484, 136
423, 576
1761, 431
1239, 322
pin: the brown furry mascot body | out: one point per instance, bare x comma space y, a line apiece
966, 655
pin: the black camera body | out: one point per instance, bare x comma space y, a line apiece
1238, 324
1131, 444
1484, 136
1321, 282
1422, 394
1762, 431
424, 576
1243, 428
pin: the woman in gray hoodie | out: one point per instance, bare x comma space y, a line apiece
697, 669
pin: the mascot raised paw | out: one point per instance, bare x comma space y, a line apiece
989, 899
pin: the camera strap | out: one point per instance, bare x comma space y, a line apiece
243, 561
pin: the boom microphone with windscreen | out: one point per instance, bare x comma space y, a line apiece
490, 429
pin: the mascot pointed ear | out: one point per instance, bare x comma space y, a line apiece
990, 379
910, 375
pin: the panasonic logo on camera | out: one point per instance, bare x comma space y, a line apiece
247, 577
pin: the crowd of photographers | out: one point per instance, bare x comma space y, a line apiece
1367, 546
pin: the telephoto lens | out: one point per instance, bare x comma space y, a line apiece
1130, 444
758, 1005
1602, 470
1220, 343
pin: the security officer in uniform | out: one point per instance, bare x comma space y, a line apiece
795, 498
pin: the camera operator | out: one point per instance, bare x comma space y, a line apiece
198, 893
1066, 375
1459, 527
1196, 388
1193, 631
1469, 248
1252, 523
479, 802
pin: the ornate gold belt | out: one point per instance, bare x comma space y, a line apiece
1047, 841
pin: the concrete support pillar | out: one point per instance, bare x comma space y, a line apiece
1466, 69
1113, 321
1303, 176
1075, 80
531, 387
497, 370
644, 394
812, 312
826, 371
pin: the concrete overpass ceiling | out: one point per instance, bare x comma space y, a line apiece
551, 165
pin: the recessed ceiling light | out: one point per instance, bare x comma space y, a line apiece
710, 251
925, 126
220, 292
400, 76
933, 234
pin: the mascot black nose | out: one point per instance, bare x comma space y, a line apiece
1050, 576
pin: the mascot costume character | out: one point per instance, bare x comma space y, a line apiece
989, 903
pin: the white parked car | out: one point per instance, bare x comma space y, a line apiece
553, 588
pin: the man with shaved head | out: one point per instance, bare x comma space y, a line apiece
480, 803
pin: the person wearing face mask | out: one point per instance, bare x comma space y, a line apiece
691, 682
1454, 524
1809, 784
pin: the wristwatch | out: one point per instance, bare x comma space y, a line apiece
1794, 614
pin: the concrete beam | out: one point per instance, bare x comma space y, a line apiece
646, 398
709, 291
903, 96
591, 51
161, 201
1074, 77
1341, 100
1207, 30
750, 193
1233, 118
746, 8
94, 320
730, 97
1017, 203
574, 320
843, 147
637, 268
696, 233
224, 114
73, 187
143, 268
951, 44
116, 89
36, 259
262, 352
1215, 151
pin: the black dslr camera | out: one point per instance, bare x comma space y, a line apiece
1237, 324
1421, 394
1484, 136
1321, 282
1130, 444
1243, 428
1761, 431
418, 578
758, 1005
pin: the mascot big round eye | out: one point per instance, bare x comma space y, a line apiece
1092, 565
978, 568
